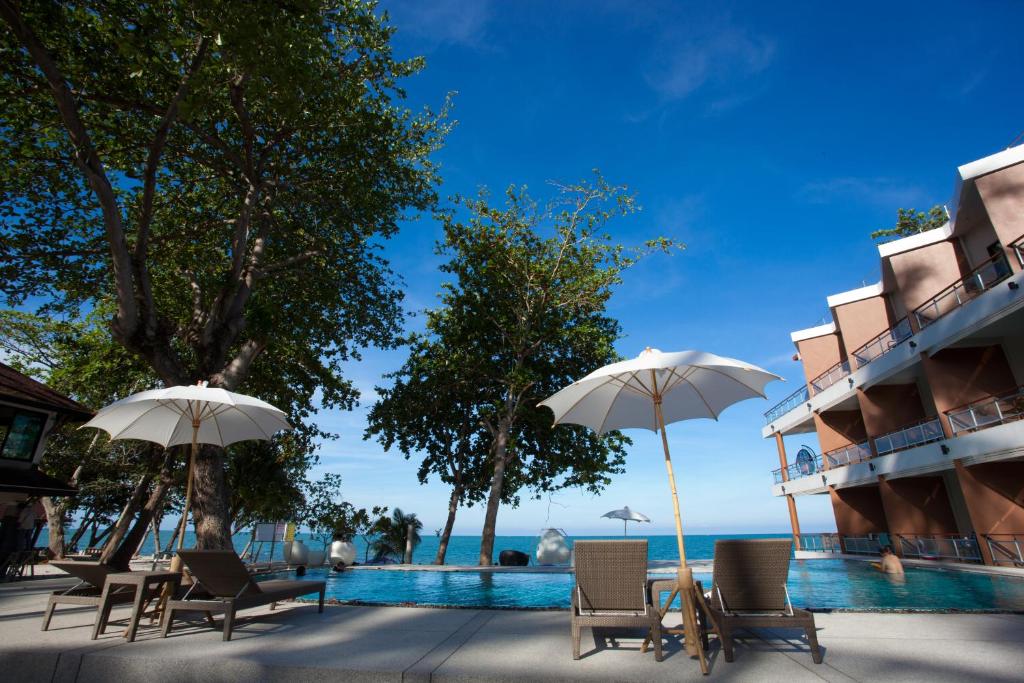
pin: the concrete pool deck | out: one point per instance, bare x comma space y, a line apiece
352, 643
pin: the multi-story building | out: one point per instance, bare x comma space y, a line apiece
914, 389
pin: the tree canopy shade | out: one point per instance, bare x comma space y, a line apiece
219, 176
523, 315
911, 222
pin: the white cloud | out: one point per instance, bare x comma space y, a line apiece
879, 191
443, 22
716, 60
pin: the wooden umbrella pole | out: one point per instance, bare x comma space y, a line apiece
176, 563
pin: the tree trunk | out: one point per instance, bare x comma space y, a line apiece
156, 535
453, 507
124, 521
80, 531
494, 497
210, 501
55, 525
133, 539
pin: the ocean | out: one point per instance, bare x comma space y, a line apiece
465, 549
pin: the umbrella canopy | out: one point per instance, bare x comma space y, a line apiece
626, 515
170, 417
189, 414
689, 384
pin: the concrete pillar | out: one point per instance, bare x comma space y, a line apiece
794, 522
961, 476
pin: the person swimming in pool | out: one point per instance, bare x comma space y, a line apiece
890, 564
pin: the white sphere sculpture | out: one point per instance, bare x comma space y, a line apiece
552, 548
296, 552
343, 551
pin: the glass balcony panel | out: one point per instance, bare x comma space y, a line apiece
909, 437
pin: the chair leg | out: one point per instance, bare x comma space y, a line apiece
575, 639
321, 610
812, 640
137, 609
50, 606
102, 615
229, 622
656, 637
725, 636
168, 618
210, 620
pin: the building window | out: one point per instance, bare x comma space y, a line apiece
20, 431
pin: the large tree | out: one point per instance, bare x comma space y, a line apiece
220, 175
525, 306
430, 410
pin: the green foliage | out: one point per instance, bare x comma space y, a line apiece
329, 517
255, 156
910, 222
391, 534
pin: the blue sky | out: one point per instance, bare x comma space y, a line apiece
771, 138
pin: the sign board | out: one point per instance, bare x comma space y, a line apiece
289, 531
265, 533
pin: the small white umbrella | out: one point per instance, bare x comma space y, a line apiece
626, 515
655, 389
189, 414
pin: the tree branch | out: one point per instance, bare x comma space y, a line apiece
88, 160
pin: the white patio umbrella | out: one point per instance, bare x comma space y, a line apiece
626, 515
655, 389
189, 414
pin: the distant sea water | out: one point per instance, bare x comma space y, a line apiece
466, 549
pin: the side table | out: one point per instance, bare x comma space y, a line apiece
147, 584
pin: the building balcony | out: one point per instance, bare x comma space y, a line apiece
987, 413
830, 376
787, 404
848, 455
883, 343
800, 468
1018, 249
969, 287
918, 434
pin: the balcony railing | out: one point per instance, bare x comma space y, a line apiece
798, 469
939, 547
787, 404
883, 343
988, 413
849, 455
1006, 549
918, 434
1018, 248
830, 376
982, 278
861, 545
821, 543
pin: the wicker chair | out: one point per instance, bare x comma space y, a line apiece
611, 590
89, 591
749, 591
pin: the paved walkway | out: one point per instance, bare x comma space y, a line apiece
406, 644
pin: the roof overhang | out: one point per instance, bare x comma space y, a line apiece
32, 482
858, 294
812, 332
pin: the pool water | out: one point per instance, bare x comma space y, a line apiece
816, 584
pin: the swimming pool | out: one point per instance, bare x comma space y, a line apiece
816, 584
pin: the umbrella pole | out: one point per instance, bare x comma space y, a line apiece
176, 563
686, 588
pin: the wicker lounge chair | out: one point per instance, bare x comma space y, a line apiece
221, 583
749, 591
88, 591
611, 590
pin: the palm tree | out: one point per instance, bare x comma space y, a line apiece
392, 534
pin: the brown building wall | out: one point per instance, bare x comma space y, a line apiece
819, 354
994, 493
1003, 195
917, 505
958, 376
888, 407
861, 321
838, 428
858, 511
922, 273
